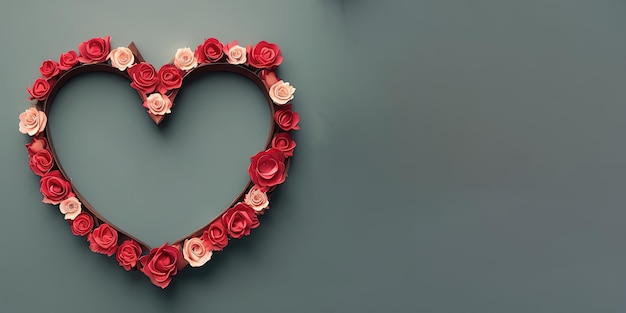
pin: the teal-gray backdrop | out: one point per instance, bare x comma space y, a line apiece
455, 156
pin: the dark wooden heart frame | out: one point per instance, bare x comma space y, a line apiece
252, 74
256, 74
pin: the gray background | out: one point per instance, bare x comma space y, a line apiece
455, 156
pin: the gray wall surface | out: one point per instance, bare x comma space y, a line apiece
455, 156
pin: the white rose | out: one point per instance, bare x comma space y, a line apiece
256, 199
195, 252
184, 59
236, 55
281, 92
158, 104
121, 58
71, 207
32, 121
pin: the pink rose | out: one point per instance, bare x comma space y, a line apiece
49, 69
71, 207
128, 254
184, 59
264, 55
196, 252
161, 264
144, 77
215, 237
235, 54
267, 168
32, 121
55, 188
281, 92
36, 145
103, 240
121, 58
94, 50
287, 119
284, 143
256, 199
158, 104
170, 78
41, 162
68, 60
40, 90
209, 51
82, 224
239, 220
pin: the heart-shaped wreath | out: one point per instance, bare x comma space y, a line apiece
158, 90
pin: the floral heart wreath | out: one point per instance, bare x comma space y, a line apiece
157, 90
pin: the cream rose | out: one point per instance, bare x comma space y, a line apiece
281, 92
121, 58
158, 104
236, 54
256, 199
195, 252
32, 121
184, 59
71, 207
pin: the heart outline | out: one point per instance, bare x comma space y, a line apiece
246, 70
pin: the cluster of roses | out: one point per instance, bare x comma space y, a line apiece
156, 86
266, 170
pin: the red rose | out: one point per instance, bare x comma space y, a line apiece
40, 89
269, 78
103, 240
286, 118
264, 55
239, 220
49, 69
216, 236
94, 50
82, 224
68, 60
170, 78
36, 145
128, 254
161, 264
41, 162
284, 143
55, 188
267, 168
144, 77
210, 51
